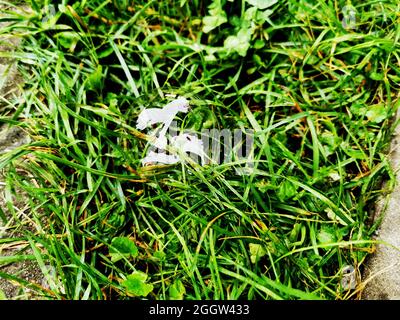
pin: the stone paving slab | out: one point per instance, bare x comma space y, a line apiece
382, 273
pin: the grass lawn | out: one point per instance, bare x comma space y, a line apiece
316, 83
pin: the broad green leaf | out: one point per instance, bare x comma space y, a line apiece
353, 153
95, 79
216, 18
264, 15
358, 109
377, 76
136, 285
262, 4
239, 43
295, 232
259, 44
377, 113
327, 235
177, 290
122, 247
330, 142
160, 255
68, 39
286, 190
211, 22
2, 295
105, 53
264, 185
256, 252
252, 14
334, 175
201, 118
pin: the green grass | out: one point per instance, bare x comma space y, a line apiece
319, 98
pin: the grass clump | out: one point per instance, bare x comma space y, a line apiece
320, 98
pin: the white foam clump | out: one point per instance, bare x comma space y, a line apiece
157, 157
189, 143
184, 142
151, 116
160, 142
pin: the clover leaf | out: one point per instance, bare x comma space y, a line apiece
262, 4
177, 290
122, 247
287, 190
377, 113
256, 252
136, 286
240, 42
216, 18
